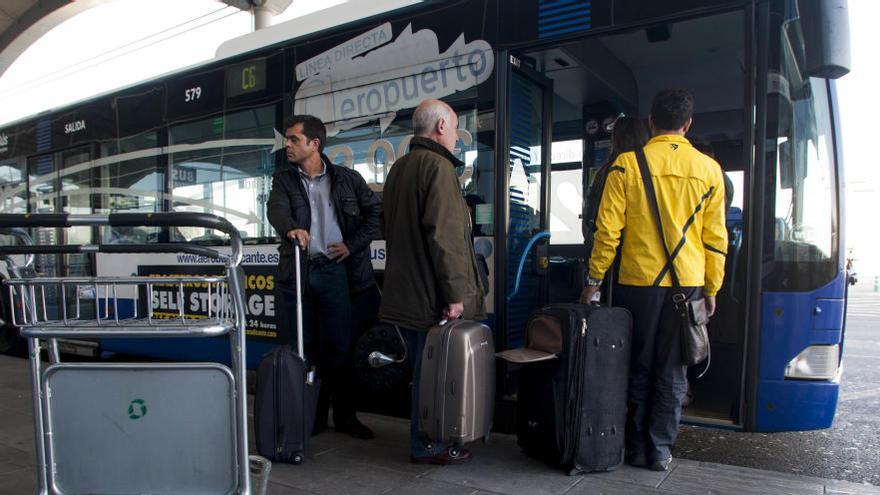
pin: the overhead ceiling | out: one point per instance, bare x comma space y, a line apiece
12, 10
22, 22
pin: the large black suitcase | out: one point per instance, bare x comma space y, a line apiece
571, 411
286, 396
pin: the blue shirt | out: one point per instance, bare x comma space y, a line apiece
325, 226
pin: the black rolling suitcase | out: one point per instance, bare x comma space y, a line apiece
571, 411
286, 396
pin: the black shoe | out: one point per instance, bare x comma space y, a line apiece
661, 465
636, 459
356, 429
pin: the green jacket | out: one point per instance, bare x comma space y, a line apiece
430, 252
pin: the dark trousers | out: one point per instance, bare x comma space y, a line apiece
657, 380
327, 338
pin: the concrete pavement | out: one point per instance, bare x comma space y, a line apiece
339, 464
850, 449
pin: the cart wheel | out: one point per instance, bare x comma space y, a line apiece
454, 451
297, 458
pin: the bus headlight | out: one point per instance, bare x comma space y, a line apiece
817, 362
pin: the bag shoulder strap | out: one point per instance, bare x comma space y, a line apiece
655, 210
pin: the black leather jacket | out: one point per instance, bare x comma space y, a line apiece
358, 210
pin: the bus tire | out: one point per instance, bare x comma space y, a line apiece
10, 341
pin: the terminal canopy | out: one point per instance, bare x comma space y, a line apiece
22, 22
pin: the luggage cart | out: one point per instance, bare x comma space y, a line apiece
132, 428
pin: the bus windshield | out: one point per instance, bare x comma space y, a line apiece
802, 186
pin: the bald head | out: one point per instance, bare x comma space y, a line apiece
435, 120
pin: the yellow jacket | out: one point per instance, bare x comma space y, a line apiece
690, 193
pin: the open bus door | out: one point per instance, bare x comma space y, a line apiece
522, 215
601, 76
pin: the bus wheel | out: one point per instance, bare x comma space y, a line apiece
10, 341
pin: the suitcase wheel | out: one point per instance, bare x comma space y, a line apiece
454, 451
294, 458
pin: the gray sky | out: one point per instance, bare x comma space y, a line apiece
859, 113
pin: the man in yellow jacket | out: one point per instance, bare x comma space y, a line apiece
690, 194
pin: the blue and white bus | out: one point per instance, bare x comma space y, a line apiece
536, 84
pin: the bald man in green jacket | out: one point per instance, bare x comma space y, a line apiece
431, 270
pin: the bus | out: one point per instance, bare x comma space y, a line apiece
537, 85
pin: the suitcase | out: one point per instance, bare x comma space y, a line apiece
457, 386
286, 396
571, 411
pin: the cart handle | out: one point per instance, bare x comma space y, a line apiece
25, 239
175, 219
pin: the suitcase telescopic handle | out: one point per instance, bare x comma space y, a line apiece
299, 311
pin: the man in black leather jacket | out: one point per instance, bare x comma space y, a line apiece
330, 210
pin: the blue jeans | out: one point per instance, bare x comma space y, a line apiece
657, 378
418, 447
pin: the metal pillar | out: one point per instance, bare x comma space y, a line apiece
262, 10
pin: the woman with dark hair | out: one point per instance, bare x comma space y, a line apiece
627, 134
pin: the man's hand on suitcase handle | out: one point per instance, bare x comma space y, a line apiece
301, 237
588, 293
453, 311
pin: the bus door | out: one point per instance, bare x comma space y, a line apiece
601, 77
75, 183
525, 117
799, 259
61, 182
43, 188
43, 198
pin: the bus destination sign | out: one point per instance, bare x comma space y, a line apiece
245, 78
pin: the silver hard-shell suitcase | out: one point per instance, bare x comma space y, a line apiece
457, 387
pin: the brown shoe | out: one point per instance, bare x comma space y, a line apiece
445, 458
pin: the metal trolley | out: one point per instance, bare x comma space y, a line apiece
132, 428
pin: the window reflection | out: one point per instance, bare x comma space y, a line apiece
371, 151
130, 183
227, 172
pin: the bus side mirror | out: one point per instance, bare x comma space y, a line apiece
825, 25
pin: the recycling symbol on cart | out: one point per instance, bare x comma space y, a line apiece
137, 409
